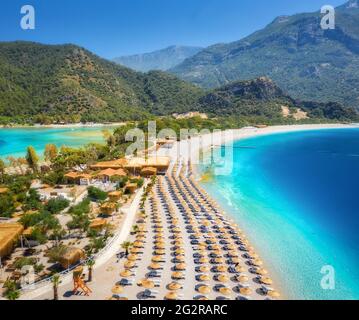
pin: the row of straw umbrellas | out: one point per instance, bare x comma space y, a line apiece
216, 231
222, 253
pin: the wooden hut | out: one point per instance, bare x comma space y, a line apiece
108, 208
148, 172
131, 188
115, 196
98, 224
107, 174
9, 235
71, 256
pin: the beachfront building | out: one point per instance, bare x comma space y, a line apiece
148, 172
114, 164
134, 165
108, 174
79, 178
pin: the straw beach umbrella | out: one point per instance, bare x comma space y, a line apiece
273, 294
171, 296
180, 267
117, 289
148, 284
221, 269
155, 266
222, 278
225, 291
204, 289
174, 286
245, 291
177, 275
129, 265
266, 280
204, 269
204, 277
126, 274
132, 257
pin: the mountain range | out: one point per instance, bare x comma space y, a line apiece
303, 59
163, 60
67, 83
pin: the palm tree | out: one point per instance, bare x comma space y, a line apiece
90, 263
135, 229
126, 245
55, 282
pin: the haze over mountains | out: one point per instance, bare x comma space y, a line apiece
307, 62
164, 59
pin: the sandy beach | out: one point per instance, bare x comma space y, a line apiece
167, 224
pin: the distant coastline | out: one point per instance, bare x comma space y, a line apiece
66, 125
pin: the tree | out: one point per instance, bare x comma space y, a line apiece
11, 290
32, 158
90, 263
2, 170
57, 205
50, 152
97, 194
126, 245
55, 283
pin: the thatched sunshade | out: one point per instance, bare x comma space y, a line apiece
71, 256
221, 269
266, 280
155, 266
9, 234
177, 275
132, 257
240, 269
225, 291
245, 291
174, 286
204, 269
118, 289
147, 284
171, 296
204, 277
222, 278
204, 289
241, 278
126, 274
129, 265
157, 259
273, 294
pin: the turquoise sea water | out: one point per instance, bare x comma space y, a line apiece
296, 197
14, 141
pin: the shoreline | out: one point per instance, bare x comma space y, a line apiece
206, 142
67, 125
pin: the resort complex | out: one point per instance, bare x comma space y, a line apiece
132, 228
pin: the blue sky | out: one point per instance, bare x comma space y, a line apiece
112, 28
